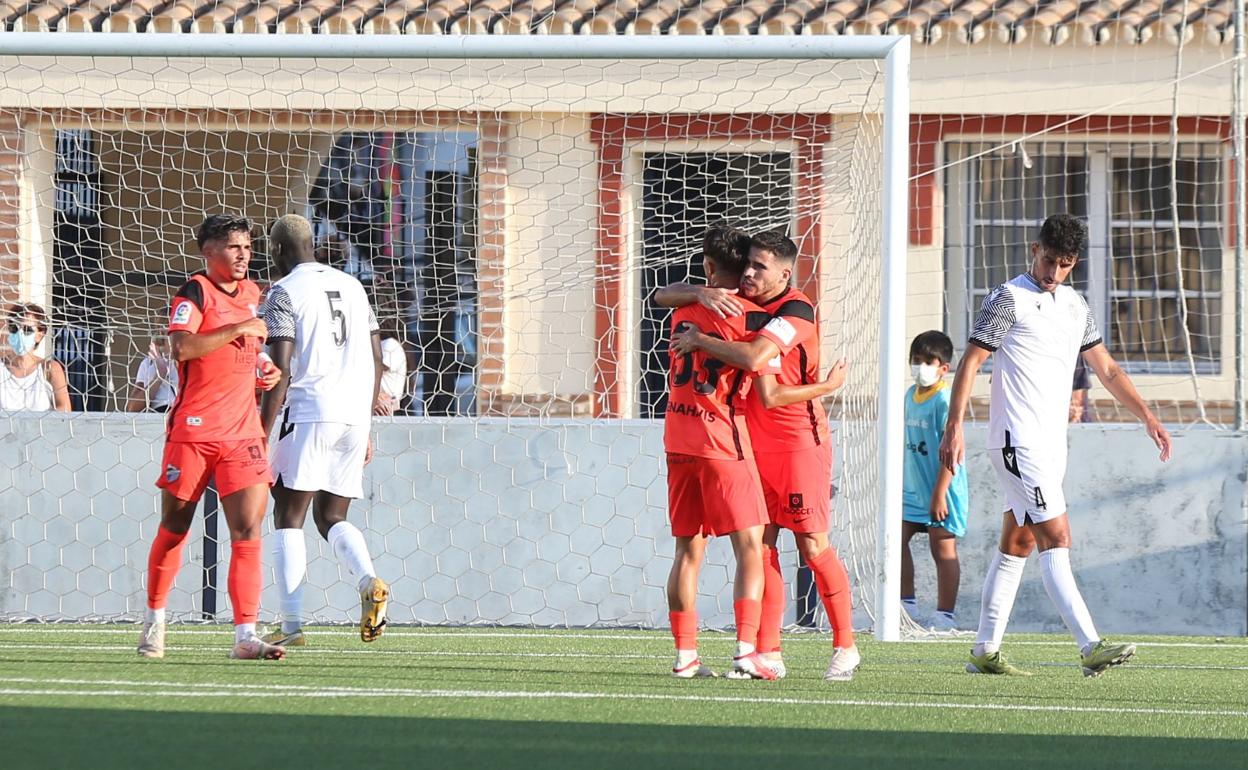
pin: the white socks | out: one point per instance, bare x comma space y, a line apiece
290, 559
684, 658
744, 648
348, 545
1059, 583
997, 600
243, 632
154, 615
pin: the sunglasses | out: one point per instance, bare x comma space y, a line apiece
14, 329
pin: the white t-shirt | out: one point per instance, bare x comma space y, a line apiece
1036, 337
32, 393
327, 315
394, 360
166, 391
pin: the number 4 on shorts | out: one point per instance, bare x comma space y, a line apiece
1040, 500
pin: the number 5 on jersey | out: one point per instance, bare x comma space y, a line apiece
336, 315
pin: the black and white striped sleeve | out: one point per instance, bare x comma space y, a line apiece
994, 320
1091, 334
278, 314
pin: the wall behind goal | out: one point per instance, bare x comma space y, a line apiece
530, 523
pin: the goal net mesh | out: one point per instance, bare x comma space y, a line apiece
511, 221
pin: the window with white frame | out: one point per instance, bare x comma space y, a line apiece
998, 194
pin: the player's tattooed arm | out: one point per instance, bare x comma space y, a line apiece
280, 351
774, 394
185, 346
721, 302
750, 356
1121, 388
953, 443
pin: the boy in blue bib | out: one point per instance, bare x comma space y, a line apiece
934, 500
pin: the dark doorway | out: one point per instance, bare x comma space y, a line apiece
683, 194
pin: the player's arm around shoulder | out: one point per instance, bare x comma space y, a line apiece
722, 302
735, 341
1121, 388
773, 394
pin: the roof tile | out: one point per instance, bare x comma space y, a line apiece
928, 21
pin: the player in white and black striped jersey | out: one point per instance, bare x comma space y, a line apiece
324, 337
1037, 326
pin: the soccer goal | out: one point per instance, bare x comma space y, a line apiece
512, 203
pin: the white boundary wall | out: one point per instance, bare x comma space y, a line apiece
525, 523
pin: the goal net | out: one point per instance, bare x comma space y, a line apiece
511, 218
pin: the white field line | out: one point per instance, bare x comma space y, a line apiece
206, 690
301, 652
642, 636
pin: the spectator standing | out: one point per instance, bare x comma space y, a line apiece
156, 382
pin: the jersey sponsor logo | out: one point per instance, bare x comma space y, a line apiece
181, 313
172, 473
782, 329
195, 422
690, 410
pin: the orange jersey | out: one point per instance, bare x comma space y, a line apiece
705, 415
217, 394
794, 329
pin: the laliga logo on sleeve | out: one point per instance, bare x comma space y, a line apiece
181, 313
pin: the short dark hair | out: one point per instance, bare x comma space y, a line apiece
20, 310
933, 344
777, 243
727, 247
1064, 235
220, 226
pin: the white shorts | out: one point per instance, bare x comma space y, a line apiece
321, 456
1032, 482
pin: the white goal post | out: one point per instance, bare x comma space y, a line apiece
892, 52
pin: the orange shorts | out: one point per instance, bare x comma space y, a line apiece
712, 497
187, 466
798, 487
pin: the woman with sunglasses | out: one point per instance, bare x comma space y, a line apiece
29, 382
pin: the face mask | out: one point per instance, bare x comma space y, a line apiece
925, 375
21, 343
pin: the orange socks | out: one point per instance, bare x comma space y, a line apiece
245, 580
747, 612
684, 629
163, 562
833, 583
773, 602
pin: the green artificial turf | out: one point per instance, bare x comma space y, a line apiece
78, 696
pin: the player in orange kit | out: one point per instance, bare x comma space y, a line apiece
791, 438
214, 430
713, 486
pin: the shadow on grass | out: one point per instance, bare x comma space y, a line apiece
101, 739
